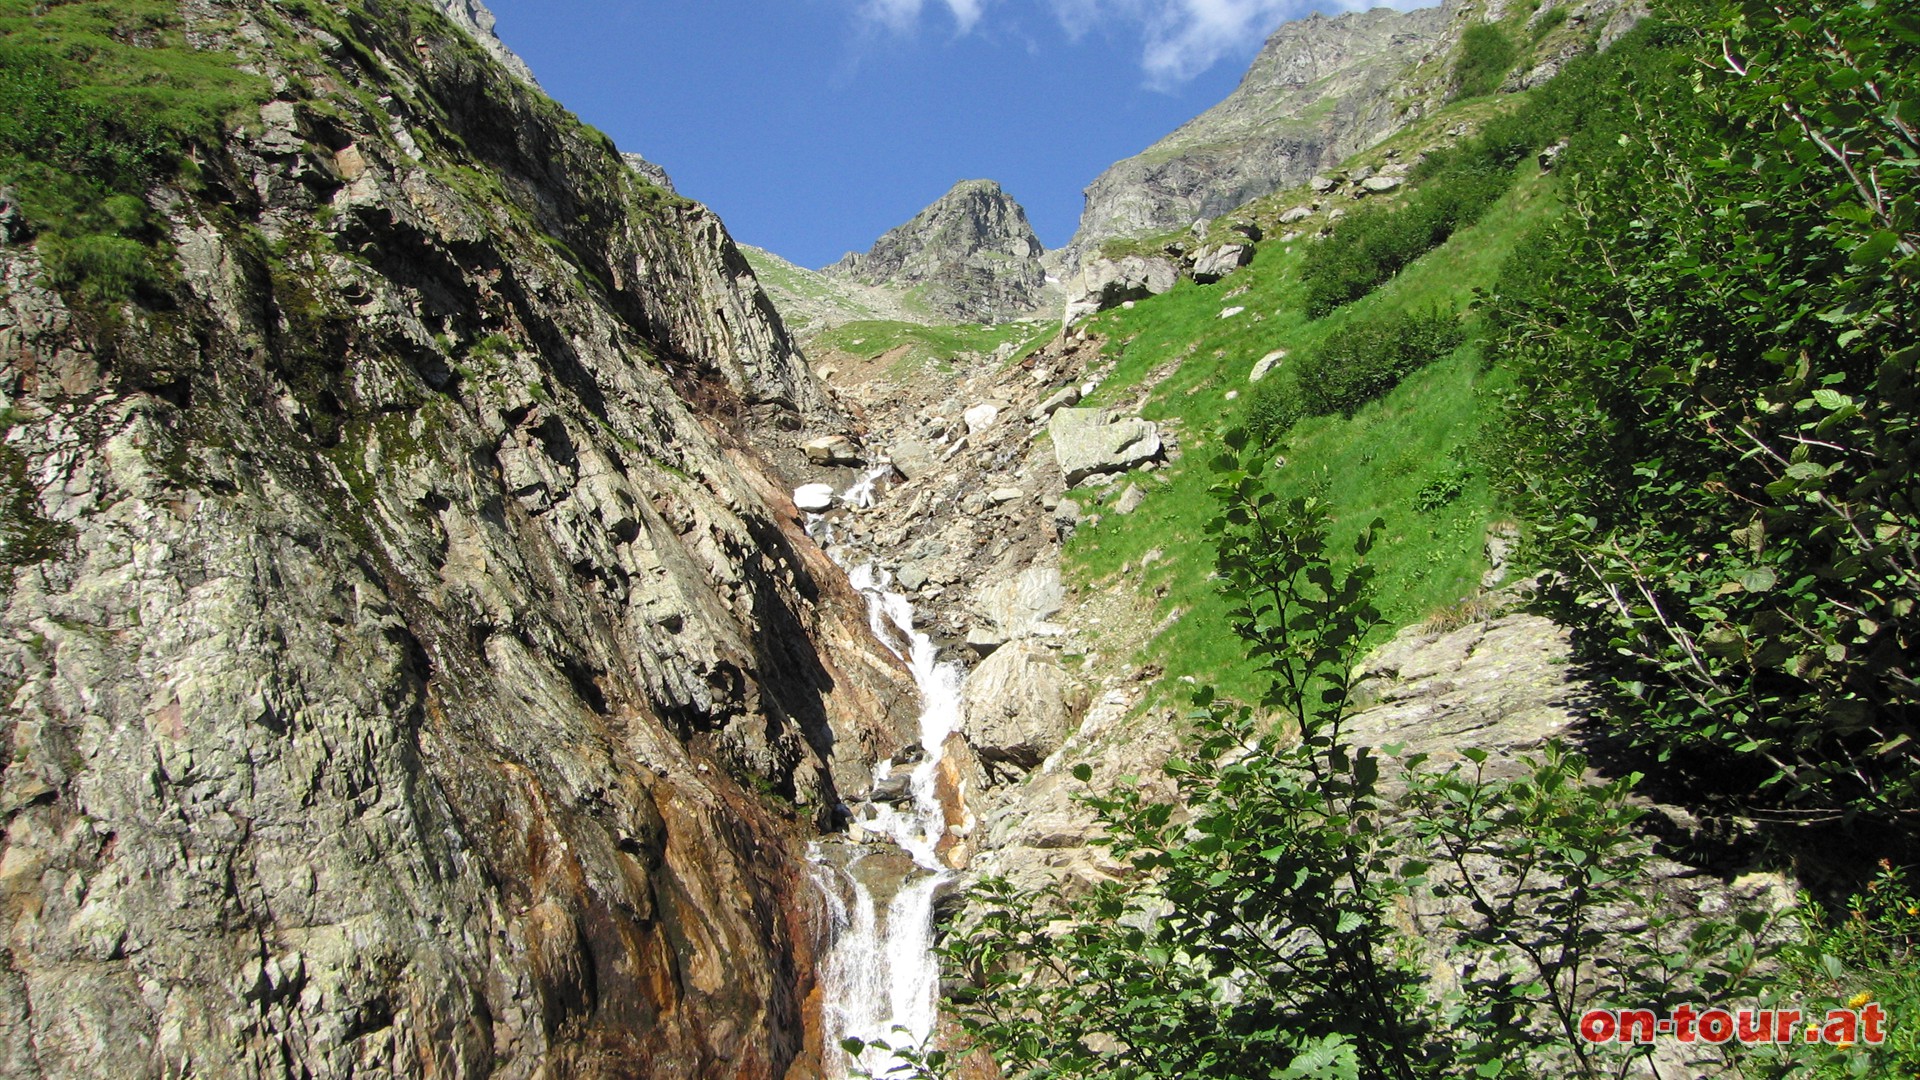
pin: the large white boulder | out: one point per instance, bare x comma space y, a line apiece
1088, 442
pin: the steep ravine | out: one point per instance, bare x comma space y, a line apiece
428, 674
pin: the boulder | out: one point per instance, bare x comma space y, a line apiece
1231, 312
911, 578
912, 458
1298, 213
1058, 400
1502, 541
1020, 605
897, 788
1106, 283
1380, 184
1321, 185
1066, 518
983, 640
1550, 156
1005, 495
1020, 706
1266, 364
814, 498
1211, 264
1129, 500
831, 450
1087, 442
980, 417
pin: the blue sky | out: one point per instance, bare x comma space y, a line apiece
813, 126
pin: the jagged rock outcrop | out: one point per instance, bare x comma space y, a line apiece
651, 173
1020, 707
411, 621
1105, 283
1091, 442
473, 17
972, 256
1321, 89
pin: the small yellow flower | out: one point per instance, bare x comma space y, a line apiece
1913, 909
1844, 1045
1860, 999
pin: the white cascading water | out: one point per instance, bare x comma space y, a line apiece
881, 980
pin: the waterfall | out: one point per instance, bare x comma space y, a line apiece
880, 979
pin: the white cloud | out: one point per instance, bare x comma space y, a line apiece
902, 16
1180, 38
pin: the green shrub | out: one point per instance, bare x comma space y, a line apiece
108, 269
1374, 244
1356, 364
1442, 490
1362, 361
1866, 951
1714, 431
1276, 407
1586, 104
1486, 55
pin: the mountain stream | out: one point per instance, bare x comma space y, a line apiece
881, 980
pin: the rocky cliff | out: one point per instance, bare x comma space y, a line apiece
972, 256
1321, 90
416, 668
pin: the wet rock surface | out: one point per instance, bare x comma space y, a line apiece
431, 677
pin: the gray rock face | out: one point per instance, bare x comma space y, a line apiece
1108, 283
971, 256
1088, 442
416, 634
1020, 706
1213, 263
473, 17
1320, 90
1021, 605
648, 171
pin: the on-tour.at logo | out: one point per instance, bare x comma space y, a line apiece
1864, 1022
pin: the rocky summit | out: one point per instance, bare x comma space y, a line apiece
972, 256
1320, 89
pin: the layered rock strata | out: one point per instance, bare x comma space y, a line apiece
418, 670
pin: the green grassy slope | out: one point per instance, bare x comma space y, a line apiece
1420, 438
870, 339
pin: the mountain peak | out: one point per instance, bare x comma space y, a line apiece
970, 255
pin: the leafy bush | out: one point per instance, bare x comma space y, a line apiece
1867, 951
1273, 883
1375, 243
1486, 55
1441, 490
1356, 364
1714, 431
1256, 935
